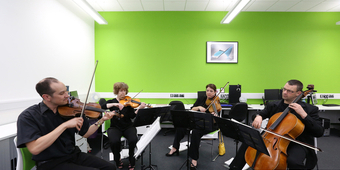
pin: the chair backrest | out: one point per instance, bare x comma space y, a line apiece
201, 94
178, 105
239, 111
24, 158
101, 101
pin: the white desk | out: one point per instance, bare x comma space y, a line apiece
8, 130
329, 112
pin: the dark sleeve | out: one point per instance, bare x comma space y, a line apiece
130, 112
200, 102
27, 129
312, 121
267, 111
85, 127
104, 105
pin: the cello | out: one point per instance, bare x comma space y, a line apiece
282, 128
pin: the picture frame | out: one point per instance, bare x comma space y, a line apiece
222, 52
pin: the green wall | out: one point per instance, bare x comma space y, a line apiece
166, 51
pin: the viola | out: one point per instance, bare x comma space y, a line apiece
128, 101
74, 108
215, 102
282, 128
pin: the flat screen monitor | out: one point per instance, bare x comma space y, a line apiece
272, 94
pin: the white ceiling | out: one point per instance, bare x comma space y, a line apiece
216, 5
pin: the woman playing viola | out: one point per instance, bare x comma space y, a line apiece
122, 126
199, 105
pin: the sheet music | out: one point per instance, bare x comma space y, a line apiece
147, 137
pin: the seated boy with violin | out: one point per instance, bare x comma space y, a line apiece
122, 126
200, 105
294, 156
49, 136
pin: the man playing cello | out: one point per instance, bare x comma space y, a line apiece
309, 116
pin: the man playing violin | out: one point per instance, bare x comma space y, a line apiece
122, 126
309, 116
201, 106
50, 136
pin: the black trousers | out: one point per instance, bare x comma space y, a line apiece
114, 137
195, 140
76, 161
296, 155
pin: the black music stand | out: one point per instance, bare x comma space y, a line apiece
244, 133
146, 117
191, 120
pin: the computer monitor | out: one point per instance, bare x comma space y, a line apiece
272, 94
234, 94
74, 94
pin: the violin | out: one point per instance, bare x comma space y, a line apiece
134, 103
74, 108
282, 128
215, 102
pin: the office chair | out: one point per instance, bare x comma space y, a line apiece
102, 101
239, 112
175, 105
212, 136
24, 158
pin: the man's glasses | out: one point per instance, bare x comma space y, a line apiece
289, 91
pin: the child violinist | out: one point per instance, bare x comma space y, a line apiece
122, 126
199, 105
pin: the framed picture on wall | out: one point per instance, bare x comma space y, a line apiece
222, 52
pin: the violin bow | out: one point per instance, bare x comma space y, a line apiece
217, 95
88, 91
136, 95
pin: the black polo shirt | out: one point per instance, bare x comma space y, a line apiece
37, 121
124, 122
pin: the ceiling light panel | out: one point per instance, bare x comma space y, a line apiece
196, 6
131, 5
325, 6
153, 6
232, 5
304, 6
282, 6
218, 5
174, 5
260, 6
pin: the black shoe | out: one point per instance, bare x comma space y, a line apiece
176, 152
192, 167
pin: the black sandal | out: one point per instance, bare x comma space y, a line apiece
120, 165
131, 167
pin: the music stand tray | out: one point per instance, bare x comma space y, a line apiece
244, 133
192, 120
148, 115
144, 117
